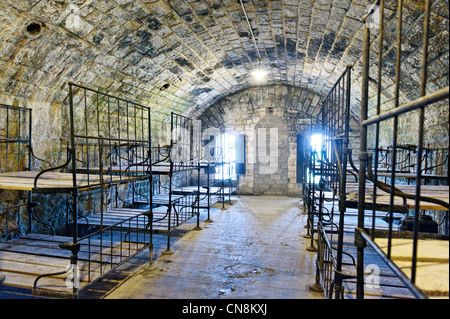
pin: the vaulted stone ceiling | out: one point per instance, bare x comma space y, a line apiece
184, 55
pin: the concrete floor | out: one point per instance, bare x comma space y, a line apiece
252, 250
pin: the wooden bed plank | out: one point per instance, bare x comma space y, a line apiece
412, 175
203, 190
432, 262
52, 180
383, 198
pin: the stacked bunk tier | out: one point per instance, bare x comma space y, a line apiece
36, 263
167, 166
385, 277
382, 280
388, 223
53, 181
60, 258
416, 248
433, 168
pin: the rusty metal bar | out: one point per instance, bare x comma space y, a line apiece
363, 158
431, 98
378, 108
420, 139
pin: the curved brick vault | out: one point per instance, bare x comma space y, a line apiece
186, 55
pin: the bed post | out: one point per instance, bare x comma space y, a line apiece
339, 277
420, 139
363, 158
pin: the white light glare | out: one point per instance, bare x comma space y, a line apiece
316, 142
259, 75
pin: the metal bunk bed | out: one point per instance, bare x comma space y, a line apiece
334, 199
169, 164
387, 243
64, 265
17, 156
218, 173
328, 200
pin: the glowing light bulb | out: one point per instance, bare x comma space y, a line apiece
259, 75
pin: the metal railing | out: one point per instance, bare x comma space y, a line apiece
101, 251
330, 165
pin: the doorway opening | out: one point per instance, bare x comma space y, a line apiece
227, 157
315, 143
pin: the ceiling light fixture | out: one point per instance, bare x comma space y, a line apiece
259, 74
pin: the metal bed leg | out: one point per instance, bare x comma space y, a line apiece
168, 251
198, 223
198, 220
317, 287
209, 220
312, 248
150, 247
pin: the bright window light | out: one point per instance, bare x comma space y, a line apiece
316, 142
229, 157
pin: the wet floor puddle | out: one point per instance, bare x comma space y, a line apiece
247, 271
240, 271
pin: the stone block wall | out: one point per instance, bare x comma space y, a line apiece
270, 172
186, 55
436, 116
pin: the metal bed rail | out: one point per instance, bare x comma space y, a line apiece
326, 265
120, 131
98, 155
181, 156
433, 159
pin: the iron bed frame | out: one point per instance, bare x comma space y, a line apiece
331, 166
366, 237
98, 122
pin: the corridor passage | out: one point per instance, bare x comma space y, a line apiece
254, 249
